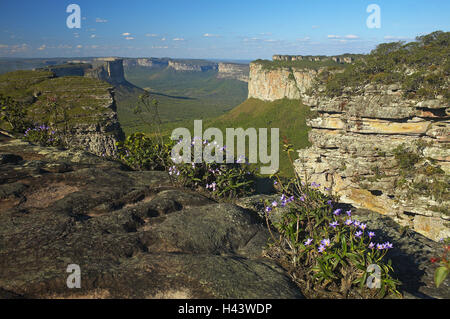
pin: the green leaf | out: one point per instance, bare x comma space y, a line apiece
440, 275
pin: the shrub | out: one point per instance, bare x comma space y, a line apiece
328, 251
43, 135
14, 113
229, 180
143, 152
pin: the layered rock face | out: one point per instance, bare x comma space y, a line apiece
273, 84
146, 63
381, 151
182, 66
107, 69
233, 71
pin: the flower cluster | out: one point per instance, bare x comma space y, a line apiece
43, 135
220, 179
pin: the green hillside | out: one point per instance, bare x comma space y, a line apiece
287, 115
182, 96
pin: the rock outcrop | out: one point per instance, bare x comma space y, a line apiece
269, 84
133, 234
107, 69
233, 71
381, 151
85, 116
191, 67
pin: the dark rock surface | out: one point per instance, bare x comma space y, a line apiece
132, 233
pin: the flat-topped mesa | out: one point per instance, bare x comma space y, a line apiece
233, 71
150, 63
192, 67
270, 84
107, 69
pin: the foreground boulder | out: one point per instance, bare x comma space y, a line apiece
132, 233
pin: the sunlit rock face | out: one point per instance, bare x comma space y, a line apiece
354, 140
274, 84
233, 71
355, 152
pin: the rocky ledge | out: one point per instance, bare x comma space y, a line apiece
132, 233
135, 235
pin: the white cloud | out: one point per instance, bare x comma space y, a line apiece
315, 27
209, 35
160, 47
163, 39
94, 46
100, 20
129, 38
351, 36
3, 46
304, 39
332, 36
93, 36
151, 35
79, 46
42, 47
392, 37
178, 39
125, 34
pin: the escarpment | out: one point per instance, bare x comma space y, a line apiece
269, 84
381, 151
81, 110
376, 147
233, 71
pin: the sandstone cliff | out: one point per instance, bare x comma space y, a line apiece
381, 151
373, 147
233, 71
269, 84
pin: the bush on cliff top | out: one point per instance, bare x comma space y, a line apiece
421, 67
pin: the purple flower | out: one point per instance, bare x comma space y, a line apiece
334, 224
388, 245
363, 226
321, 248
337, 212
308, 242
358, 233
325, 242
283, 197
302, 198
380, 246
268, 209
275, 182
315, 185
274, 204
371, 245
356, 223
371, 234
329, 202
348, 222
349, 213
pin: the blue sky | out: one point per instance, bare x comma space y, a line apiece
244, 29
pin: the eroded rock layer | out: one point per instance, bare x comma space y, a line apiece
381, 151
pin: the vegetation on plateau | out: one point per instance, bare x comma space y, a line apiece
422, 68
